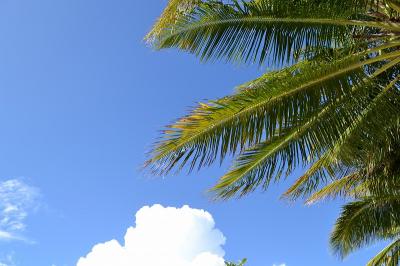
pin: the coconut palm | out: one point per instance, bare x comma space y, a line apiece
331, 106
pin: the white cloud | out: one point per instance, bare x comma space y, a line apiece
163, 237
283, 264
7, 260
17, 199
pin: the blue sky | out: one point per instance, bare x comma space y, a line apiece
81, 101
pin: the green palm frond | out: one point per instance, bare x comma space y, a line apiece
389, 256
379, 174
241, 263
282, 153
257, 166
334, 108
394, 5
170, 15
357, 185
365, 221
343, 187
275, 101
255, 31
330, 164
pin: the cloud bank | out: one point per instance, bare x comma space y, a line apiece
163, 237
17, 199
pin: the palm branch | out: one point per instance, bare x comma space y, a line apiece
277, 103
172, 12
333, 107
389, 256
240, 263
253, 31
365, 221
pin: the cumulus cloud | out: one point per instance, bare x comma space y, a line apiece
163, 237
17, 199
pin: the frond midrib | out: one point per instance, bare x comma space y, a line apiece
304, 127
256, 105
264, 19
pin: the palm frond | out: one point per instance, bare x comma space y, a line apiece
395, 5
170, 15
329, 166
254, 31
365, 221
389, 256
342, 187
240, 263
282, 153
334, 107
223, 125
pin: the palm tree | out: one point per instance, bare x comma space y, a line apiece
330, 107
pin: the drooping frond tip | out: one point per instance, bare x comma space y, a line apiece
366, 221
171, 13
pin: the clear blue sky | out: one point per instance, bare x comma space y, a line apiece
81, 100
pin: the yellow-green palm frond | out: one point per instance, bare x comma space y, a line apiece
333, 128
278, 100
174, 10
389, 256
241, 263
342, 187
341, 157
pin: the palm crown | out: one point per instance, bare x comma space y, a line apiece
333, 106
